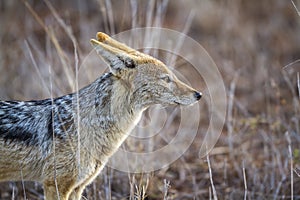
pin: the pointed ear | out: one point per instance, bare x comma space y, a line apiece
117, 59
102, 37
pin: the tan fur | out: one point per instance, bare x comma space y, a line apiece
109, 109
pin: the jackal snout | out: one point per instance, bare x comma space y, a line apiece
185, 94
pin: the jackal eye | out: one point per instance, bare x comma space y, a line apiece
167, 78
128, 62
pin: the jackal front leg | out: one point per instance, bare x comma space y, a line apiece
76, 193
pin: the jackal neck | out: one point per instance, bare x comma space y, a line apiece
106, 114
106, 103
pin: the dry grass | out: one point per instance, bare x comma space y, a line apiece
258, 153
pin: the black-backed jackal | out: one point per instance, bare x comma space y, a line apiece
39, 140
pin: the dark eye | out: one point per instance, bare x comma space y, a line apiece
128, 62
167, 79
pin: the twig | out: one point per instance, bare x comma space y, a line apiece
13, 193
53, 134
54, 40
291, 162
245, 182
298, 84
23, 185
142, 188
290, 64
70, 34
215, 197
166, 188
110, 16
134, 11
229, 123
107, 184
171, 60
295, 7
296, 170
36, 66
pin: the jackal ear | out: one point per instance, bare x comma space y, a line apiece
116, 59
102, 37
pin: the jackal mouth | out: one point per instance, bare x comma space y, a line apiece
182, 103
177, 103
186, 101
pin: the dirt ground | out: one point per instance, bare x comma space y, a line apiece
256, 47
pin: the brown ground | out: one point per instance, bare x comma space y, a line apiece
250, 41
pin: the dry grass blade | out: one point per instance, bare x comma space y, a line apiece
298, 84
110, 16
166, 188
214, 192
288, 138
61, 53
23, 185
45, 86
245, 181
298, 12
230, 118
70, 34
172, 59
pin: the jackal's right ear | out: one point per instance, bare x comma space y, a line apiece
117, 59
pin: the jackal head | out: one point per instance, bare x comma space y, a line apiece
148, 79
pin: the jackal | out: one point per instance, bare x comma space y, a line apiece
65, 142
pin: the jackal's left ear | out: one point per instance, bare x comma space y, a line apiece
117, 59
102, 37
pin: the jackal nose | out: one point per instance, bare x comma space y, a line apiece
197, 95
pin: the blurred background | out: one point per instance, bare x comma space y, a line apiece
256, 46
